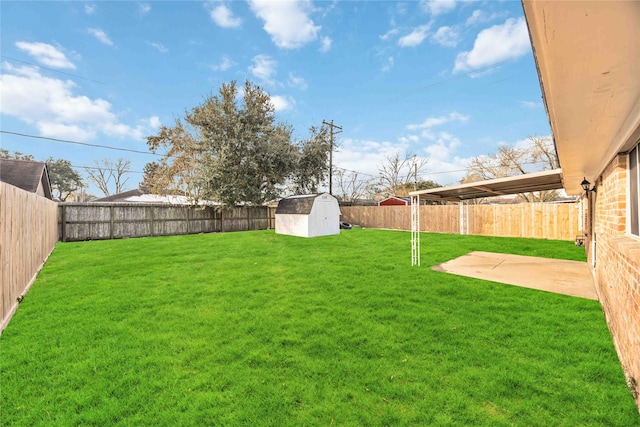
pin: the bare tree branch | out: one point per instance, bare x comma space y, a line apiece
510, 160
398, 170
350, 185
106, 171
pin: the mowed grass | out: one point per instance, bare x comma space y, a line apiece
261, 329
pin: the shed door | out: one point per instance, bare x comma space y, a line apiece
324, 213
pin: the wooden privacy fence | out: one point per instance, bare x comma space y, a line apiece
99, 221
28, 234
557, 221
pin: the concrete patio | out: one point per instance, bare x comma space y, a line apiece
545, 274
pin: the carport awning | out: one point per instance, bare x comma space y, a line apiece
538, 181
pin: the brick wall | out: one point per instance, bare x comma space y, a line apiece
617, 269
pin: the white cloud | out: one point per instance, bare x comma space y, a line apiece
430, 122
437, 7
392, 32
388, 65
364, 156
161, 48
223, 17
409, 139
476, 16
496, 44
100, 35
286, 21
46, 54
144, 8
153, 122
445, 167
224, 64
62, 131
443, 147
51, 106
299, 82
446, 36
480, 17
326, 44
281, 103
90, 8
415, 37
529, 104
264, 67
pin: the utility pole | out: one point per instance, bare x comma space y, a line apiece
332, 133
415, 174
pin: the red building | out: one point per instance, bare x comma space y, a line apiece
397, 201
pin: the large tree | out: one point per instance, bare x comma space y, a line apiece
535, 154
181, 169
232, 149
15, 155
63, 178
312, 163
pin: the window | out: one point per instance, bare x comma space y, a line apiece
634, 187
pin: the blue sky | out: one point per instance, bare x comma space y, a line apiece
445, 80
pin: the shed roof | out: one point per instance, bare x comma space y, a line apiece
300, 205
538, 181
25, 174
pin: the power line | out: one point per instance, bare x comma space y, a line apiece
51, 69
474, 88
427, 174
442, 82
104, 169
359, 173
422, 175
66, 141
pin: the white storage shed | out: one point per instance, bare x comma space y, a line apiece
310, 215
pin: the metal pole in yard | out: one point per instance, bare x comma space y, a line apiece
331, 133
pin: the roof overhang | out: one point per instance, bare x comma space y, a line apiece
588, 59
538, 181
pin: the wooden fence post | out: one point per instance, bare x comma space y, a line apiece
63, 219
111, 222
188, 215
153, 224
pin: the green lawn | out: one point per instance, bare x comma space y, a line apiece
260, 329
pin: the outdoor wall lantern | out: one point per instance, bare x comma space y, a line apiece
585, 186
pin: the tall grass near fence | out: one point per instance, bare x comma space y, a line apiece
556, 221
28, 234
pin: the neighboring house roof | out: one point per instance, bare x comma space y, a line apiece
300, 205
26, 174
124, 196
399, 201
142, 195
586, 54
406, 200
